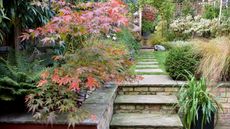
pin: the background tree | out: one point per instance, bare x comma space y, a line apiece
22, 14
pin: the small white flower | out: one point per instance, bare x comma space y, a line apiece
108, 36
114, 38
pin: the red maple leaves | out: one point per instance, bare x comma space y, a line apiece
71, 81
94, 18
91, 82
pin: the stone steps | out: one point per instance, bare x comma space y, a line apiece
145, 121
147, 60
149, 71
147, 66
147, 63
145, 104
148, 103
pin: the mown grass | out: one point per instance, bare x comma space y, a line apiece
161, 57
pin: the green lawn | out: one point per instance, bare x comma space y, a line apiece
161, 57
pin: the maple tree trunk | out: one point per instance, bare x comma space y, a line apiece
17, 32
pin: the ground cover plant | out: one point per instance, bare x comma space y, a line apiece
16, 80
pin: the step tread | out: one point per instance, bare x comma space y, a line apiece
154, 80
146, 120
147, 66
147, 63
146, 99
149, 70
147, 60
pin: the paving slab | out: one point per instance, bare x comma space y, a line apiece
146, 99
147, 63
149, 71
147, 60
147, 66
150, 80
147, 57
147, 50
146, 120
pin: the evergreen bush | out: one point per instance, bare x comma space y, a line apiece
181, 61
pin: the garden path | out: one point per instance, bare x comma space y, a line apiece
148, 103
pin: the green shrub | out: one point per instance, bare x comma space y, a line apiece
126, 37
211, 12
18, 77
187, 8
158, 36
181, 61
148, 26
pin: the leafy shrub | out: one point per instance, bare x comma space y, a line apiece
187, 8
187, 27
158, 37
98, 63
180, 61
72, 27
226, 12
149, 13
126, 37
18, 78
148, 26
222, 29
210, 12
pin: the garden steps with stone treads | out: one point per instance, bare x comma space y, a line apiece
145, 121
145, 104
148, 103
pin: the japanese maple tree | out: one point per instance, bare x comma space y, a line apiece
87, 63
74, 23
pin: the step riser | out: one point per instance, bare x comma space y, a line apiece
147, 90
144, 108
145, 128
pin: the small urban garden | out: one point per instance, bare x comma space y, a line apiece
115, 64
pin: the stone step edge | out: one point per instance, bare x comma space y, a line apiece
160, 102
114, 123
153, 85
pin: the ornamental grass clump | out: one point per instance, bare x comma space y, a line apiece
215, 58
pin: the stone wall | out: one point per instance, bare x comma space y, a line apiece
104, 122
223, 96
100, 104
148, 90
145, 108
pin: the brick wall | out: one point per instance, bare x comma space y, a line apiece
223, 96
145, 108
